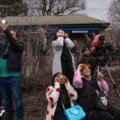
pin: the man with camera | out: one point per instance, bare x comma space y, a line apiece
10, 72
96, 52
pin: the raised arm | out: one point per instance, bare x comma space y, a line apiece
17, 46
71, 91
69, 43
102, 83
77, 81
57, 44
52, 93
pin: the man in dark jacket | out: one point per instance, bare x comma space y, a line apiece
10, 73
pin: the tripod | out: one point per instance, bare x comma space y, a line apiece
98, 67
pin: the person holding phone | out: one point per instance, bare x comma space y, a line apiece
10, 72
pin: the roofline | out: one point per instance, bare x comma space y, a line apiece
74, 22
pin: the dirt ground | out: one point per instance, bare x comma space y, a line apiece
35, 101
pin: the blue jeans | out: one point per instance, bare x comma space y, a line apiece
11, 90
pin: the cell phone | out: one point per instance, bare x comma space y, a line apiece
4, 21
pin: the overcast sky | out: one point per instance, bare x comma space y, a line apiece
98, 8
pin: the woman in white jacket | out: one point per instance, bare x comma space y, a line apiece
61, 92
63, 60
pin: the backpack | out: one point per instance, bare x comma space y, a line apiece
101, 101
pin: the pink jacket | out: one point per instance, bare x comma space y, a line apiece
77, 82
94, 42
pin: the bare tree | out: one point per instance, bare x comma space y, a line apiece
36, 66
114, 15
55, 7
13, 8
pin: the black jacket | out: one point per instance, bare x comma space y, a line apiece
15, 50
86, 94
